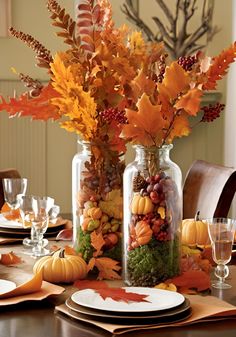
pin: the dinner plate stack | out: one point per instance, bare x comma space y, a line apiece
161, 307
10, 228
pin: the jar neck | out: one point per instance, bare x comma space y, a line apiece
143, 152
86, 146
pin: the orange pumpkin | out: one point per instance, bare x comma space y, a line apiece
195, 232
141, 205
142, 234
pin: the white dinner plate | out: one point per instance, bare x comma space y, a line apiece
157, 300
6, 286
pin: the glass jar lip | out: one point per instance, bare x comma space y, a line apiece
152, 148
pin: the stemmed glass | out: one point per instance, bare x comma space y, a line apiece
26, 213
12, 187
221, 232
40, 219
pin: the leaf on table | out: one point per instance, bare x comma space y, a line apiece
120, 294
97, 242
107, 268
10, 259
90, 284
70, 250
65, 235
192, 279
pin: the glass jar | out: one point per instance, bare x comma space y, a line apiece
97, 201
152, 217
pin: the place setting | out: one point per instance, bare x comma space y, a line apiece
19, 211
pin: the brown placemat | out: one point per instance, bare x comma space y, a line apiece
204, 308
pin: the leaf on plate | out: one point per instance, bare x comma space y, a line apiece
107, 268
10, 259
65, 235
90, 284
120, 294
192, 279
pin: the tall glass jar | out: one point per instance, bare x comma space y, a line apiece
152, 217
97, 201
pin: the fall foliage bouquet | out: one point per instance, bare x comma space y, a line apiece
111, 87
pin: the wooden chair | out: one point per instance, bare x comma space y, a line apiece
208, 188
7, 173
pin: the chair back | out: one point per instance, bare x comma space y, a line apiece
208, 188
7, 173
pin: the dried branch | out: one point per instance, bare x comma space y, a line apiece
175, 34
43, 57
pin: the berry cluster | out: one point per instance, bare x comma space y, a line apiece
187, 62
113, 114
211, 112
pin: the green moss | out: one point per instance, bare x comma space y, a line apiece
153, 263
84, 245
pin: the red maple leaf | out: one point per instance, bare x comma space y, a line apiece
120, 294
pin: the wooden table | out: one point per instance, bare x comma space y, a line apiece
37, 319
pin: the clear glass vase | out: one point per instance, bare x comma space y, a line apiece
97, 201
152, 217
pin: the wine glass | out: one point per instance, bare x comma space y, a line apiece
40, 219
26, 213
221, 232
12, 187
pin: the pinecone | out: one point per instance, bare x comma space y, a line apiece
138, 183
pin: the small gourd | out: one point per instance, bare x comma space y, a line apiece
61, 268
141, 205
195, 231
141, 234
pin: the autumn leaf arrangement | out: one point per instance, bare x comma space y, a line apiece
111, 87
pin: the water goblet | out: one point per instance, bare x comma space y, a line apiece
221, 232
26, 213
40, 220
12, 187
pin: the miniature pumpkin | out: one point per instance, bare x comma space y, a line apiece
141, 205
61, 268
143, 233
94, 213
195, 232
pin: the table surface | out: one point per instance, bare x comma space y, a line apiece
38, 319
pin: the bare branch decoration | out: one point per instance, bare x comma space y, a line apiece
175, 34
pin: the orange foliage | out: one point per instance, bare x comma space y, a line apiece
10, 258
107, 268
192, 279
97, 242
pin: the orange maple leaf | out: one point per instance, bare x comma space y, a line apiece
142, 84
107, 268
38, 107
176, 80
193, 279
179, 128
190, 102
10, 258
220, 66
120, 294
145, 125
97, 242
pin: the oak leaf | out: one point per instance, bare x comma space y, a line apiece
39, 108
10, 259
219, 67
